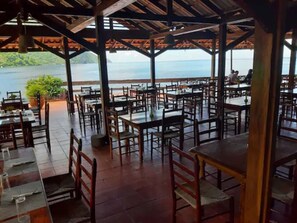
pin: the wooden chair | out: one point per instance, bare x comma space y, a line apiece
37, 110
14, 94
172, 128
284, 191
70, 104
82, 208
287, 128
86, 117
138, 104
86, 89
42, 131
172, 87
116, 135
197, 193
64, 184
190, 111
7, 137
124, 99
207, 131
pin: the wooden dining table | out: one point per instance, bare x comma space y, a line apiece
236, 88
230, 156
7, 118
239, 104
24, 178
143, 120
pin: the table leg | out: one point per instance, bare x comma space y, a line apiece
242, 201
202, 169
28, 135
239, 122
97, 119
141, 144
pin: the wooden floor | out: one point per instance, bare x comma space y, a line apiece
135, 192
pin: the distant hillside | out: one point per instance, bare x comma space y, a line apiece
41, 58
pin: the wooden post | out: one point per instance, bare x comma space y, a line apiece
68, 72
263, 122
102, 62
221, 72
153, 64
213, 60
231, 61
293, 60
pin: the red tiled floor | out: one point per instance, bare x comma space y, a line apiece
133, 193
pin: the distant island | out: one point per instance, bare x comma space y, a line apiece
42, 58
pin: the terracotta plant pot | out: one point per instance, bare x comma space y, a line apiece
33, 102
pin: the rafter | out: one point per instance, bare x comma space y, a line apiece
200, 46
213, 7
239, 40
133, 47
50, 49
168, 47
8, 40
65, 32
107, 7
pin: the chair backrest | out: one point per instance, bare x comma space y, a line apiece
207, 130
287, 127
190, 109
21, 126
125, 90
112, 122
173, 119
12, 103
86, 89
14, 94
138, 105
134, 86
7, 135
46, 116
184, 173
172, 87
75, 147
123, 99
87, 181
212, 99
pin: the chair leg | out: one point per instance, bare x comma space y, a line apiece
174, 208
219, 179
48, 141
120, 151
152, 146
231, 207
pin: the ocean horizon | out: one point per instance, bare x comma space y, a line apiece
15, 78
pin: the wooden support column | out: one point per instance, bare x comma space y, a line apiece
153, 60
293, 60
221, 72
268, 53
68, 72
231, 60
213, 59
102, 63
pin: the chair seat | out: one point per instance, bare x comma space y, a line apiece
70, 211
209, 194
283, 190
125, 135
168, 134
59, 184
290, 164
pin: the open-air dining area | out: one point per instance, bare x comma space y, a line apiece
210, 148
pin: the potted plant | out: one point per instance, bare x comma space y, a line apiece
47, 86
32, 91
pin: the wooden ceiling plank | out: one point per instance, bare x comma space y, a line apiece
107, 7
186, 30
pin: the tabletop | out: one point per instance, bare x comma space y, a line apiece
24, 178
238, 101
231, 153
238, 87
13, 117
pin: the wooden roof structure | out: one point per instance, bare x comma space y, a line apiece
194, 24
215, 26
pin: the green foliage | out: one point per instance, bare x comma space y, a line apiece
46, 85
42, 58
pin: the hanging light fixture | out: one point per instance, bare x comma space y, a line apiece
169, 39
25, 41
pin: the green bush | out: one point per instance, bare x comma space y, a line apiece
46, 85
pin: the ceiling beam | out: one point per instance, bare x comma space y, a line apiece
133, 47
8, 40
162, 18
200, 46
107, 7
50, 49
186, 30
213, 7
65, 32
256, 9
233, 44
82, 50
168, 47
